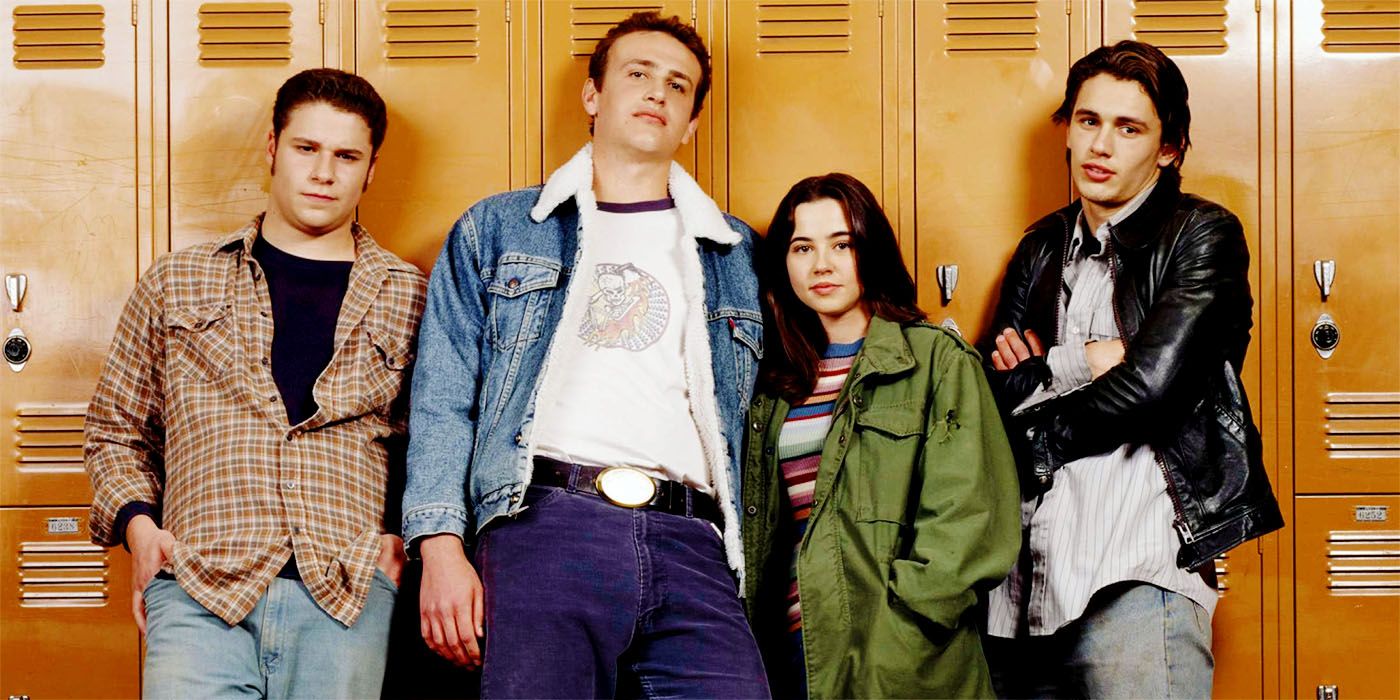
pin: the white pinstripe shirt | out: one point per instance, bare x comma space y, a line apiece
1108, 517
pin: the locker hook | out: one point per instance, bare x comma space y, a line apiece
16, 283
1324, 271
947, 281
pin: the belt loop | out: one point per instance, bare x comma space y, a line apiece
573, 477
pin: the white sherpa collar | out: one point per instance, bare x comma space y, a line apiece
700, 218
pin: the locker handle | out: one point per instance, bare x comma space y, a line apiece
1324, 272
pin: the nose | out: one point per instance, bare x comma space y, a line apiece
821, 262
323, 170
656, 91
1102, 144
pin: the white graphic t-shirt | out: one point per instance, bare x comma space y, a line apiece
616, 392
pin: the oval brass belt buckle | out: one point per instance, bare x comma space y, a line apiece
625, 486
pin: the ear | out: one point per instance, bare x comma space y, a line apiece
1166, 155
690, 130
271, 148
590, 98
369, 176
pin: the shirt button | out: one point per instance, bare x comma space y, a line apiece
266, 361
859, 401
272, 398
519, 439
757, 425
513, 283
768, 450
751, 510
296, 530
515, 498
841, 440
263, 314
289, 485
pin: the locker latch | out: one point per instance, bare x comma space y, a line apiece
1327, 692
1324, 271
947, 276
15, 285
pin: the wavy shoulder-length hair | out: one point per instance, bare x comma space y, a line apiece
789, 368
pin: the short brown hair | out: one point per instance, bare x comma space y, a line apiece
654, 22
1147, 66
346, 92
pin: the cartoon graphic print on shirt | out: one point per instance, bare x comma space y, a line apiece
628, 309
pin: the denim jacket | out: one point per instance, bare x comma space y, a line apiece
495, 299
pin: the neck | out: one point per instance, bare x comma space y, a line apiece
337, 244
1096, 213
619, 179
848, 327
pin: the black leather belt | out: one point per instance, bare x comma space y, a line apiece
671, 497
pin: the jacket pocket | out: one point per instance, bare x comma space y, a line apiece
201, 341
387, 357
882, 466
518, 296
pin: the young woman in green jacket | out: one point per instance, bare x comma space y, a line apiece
879, 490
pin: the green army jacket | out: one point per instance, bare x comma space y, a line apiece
916, 511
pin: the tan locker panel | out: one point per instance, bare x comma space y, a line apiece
1346, 228
66, 606
805, 98
1347, 584
571, 28
987, 76
67, 224
227, 60
443, 69
1216, 45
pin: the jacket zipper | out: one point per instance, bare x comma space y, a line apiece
1043, 472
1179, 524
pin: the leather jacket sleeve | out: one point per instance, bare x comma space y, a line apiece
1198, 319
1011, 387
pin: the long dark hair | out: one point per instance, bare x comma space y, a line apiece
789, 368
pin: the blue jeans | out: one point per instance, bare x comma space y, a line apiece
1135, 641
588, 599
287, 647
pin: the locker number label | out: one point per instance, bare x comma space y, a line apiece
63, 526
1372, 514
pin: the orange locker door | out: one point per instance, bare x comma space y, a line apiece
1216, 45
67, 225
443, 68
570, 29
987, 76
1348, 596
1346, 236
805, 97
66, 606
226, 61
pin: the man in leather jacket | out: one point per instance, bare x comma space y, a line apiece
1115, 353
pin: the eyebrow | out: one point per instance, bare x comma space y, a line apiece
302, 140
648, 63
1133, 121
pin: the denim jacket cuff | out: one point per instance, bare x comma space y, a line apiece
435, 519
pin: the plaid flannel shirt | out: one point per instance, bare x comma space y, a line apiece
187, 417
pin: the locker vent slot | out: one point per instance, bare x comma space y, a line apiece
49, 438
1181, 27
62, 575
1363, 562
1361, 26
1362, 424
58, 36
1222, 573
244, 32
590, 20
983, 28
416, 29
804, 27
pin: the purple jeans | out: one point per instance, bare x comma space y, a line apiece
588, 599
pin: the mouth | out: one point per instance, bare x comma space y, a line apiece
651, 116
318, 197
824, 288
1097, 173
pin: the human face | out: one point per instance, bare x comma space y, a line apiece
647, 95
821, 266
321, 164
1115, 144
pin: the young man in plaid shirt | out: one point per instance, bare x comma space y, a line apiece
246, 432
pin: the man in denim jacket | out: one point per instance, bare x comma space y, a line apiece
584, 364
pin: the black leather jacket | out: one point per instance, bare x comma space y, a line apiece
1182, 304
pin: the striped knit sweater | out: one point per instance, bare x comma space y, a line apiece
800, 451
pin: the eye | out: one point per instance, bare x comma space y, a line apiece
636, 74
305, 148
1088, 121
678, 87
843, 245
348, 157
801, 248
1131, 131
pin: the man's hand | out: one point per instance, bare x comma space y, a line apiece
1011, 349
391, 557
150, 548
1103, 355
451, 603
